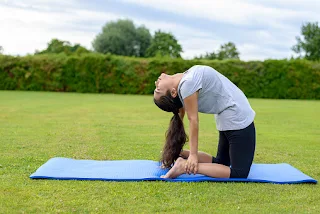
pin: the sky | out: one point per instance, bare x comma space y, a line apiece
260, 29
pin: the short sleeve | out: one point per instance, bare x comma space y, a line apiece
190, 86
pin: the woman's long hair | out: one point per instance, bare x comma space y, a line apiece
175, 136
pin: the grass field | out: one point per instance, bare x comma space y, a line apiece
36, 126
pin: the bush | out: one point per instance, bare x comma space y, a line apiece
97, 73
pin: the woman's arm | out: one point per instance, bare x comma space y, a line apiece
191, 107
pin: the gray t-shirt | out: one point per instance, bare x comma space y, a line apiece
218, 96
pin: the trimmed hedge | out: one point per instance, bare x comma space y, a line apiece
97, 73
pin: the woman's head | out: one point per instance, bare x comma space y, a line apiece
164, 84
166, 94
168, 103
167, 99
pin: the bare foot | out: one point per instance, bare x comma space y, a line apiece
177, 169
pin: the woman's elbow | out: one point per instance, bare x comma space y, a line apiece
193, 120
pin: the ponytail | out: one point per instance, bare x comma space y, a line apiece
175, 135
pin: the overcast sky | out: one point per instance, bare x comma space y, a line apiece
261, 29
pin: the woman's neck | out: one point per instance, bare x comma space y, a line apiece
176, 79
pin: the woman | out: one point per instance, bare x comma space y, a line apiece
203, 89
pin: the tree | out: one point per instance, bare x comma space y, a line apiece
122, 38
1, 49
56, 46
164, 44
209, 56
226, 51
309, 44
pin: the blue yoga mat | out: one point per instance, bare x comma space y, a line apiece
147, 170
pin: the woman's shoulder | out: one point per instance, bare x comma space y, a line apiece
199, 69
195, 67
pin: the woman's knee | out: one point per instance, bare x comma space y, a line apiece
239, 173
185, 154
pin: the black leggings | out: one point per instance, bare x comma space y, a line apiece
236, 149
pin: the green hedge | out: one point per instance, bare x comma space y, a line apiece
96, 73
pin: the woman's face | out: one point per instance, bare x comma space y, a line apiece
162, 84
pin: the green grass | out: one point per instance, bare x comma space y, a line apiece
36, 126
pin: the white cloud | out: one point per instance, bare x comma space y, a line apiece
250, 51
274, 38
24, 30
49, 4
305, 5
239, 12
29, 25
199, 46
273, 20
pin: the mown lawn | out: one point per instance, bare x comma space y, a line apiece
36, 126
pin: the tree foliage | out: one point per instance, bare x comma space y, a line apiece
207, 55
1, 49
99, 73
56, 46
164, 44
122, 38
226, 51
309, 44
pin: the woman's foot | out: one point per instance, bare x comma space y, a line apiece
177, 169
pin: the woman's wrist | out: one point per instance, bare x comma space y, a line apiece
193, 152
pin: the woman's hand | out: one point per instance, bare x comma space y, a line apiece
192, 164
